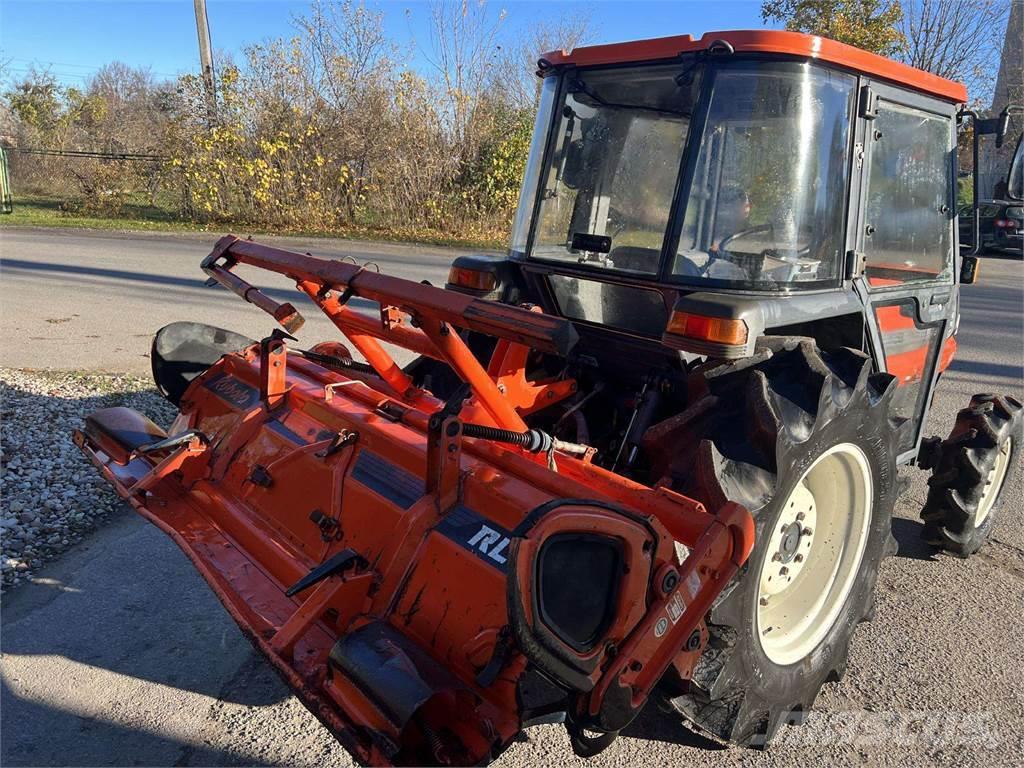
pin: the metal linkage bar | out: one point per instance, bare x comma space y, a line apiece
468, 368
368, 347
285, 314
436, 311
541, 332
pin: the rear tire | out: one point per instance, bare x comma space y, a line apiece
801, 438
972, 469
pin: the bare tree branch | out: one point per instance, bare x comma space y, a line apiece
956, 39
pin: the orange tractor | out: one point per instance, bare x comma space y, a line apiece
650, 454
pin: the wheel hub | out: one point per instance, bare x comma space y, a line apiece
813, 557
790, 542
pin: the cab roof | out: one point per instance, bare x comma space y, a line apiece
767, 41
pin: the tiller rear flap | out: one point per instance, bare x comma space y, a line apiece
429, 577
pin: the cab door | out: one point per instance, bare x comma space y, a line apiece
908, 243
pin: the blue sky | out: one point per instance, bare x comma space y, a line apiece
75, 38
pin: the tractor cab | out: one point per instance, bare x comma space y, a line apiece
766, 162
702, 194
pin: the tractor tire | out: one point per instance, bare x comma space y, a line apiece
970, 473
805, 440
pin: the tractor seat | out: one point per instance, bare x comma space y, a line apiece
120, 431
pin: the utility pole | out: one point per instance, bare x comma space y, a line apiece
206, 58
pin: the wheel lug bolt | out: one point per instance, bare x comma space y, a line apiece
763, 601
806, 532
783, 571
776, 557
799, 515
799, 558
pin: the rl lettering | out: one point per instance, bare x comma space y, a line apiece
490, 543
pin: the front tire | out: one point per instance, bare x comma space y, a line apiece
803, 439
972, 469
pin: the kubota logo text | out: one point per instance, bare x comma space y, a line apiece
233, 391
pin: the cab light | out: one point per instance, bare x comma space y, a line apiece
716, 329
474, 279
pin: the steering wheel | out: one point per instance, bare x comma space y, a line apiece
726, 241
753, 264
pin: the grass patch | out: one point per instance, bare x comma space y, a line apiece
31, 211
35, 211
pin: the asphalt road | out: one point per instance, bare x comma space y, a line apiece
118, 654
92, 301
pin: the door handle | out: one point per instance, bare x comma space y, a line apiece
939, 299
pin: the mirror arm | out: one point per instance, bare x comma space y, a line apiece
975, 205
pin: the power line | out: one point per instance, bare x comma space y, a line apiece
44, 67
90, 67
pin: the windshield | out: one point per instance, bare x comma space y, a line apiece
763, 195
768, 197
612, 171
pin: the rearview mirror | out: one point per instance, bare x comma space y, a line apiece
1015, 181
969, 270
1002, 126
573, 165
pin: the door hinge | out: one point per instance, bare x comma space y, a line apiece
868, 103
855, 263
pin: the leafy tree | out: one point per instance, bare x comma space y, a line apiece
872, 25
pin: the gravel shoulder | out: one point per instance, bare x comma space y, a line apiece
52, 496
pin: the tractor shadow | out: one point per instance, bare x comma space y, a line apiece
908, 539
653, 724
120, 601
34, 733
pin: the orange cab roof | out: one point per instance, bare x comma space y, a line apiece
768, 41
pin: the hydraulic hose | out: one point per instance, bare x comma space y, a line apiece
532, 440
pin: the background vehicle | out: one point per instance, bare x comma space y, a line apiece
651, 453
1002, 225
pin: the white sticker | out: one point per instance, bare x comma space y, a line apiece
675, 607
661, 627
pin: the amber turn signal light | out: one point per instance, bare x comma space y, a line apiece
474, 279
720, 330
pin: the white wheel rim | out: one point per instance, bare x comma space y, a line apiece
814, 554
994, 481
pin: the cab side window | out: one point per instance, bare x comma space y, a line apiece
908, 221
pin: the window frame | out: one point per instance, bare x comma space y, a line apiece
697, 129
564, 75
905, 99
